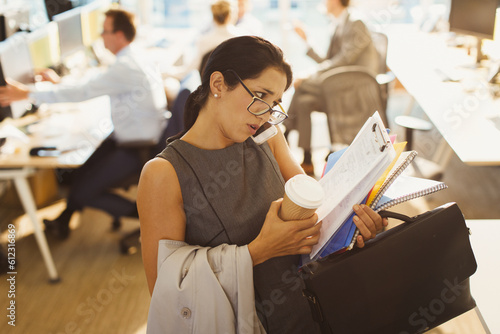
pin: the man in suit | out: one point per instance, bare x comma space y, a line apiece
138, 101
351, 44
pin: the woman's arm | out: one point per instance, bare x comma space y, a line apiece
278, 238
161, 212
289, 167
162, 216
368, 221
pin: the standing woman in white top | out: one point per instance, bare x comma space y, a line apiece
222, 28
223, 13
246, 21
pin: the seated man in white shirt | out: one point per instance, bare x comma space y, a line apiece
137, 104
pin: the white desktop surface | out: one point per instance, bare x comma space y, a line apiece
463, 112
485, 283
80, 127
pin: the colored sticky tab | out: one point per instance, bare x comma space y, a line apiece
398, 147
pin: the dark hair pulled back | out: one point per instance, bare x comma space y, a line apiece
248, 56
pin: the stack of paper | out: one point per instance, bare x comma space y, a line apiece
369, 171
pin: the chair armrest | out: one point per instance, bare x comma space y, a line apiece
385, 78
344, 69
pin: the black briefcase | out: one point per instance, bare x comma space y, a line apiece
409, 279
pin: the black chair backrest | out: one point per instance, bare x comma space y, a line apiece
352, 94
176, 121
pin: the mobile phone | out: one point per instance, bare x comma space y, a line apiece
45, 151
265, 132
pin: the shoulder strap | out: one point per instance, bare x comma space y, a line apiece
203, 190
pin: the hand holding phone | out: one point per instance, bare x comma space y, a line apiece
265, 132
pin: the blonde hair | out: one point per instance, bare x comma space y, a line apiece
221, 11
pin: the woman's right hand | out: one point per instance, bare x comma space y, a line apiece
279, 238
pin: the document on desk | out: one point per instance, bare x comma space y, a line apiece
352, 177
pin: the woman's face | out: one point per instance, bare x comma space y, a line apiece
237, 122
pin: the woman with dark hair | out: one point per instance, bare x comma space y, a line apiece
217, 257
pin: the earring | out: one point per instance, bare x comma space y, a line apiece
216, 95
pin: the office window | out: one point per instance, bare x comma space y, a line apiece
37, 13
196, 15
192, 13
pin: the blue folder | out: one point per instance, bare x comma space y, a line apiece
343, 237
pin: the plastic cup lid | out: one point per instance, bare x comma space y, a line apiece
304, 191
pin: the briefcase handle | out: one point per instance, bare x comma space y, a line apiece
405, 218
408, 219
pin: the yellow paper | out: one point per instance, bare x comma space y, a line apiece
398, 147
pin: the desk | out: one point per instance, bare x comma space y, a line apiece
468, 121
77, 126
484, 283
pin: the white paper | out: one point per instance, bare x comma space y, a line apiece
10, 131
352, 177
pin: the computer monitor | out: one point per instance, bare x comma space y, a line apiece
92, 20
475, 18
43, 44
15, 63
54, 7
69, 25
12, 20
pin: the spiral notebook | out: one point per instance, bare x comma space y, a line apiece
396, 188
368, 171
399, 188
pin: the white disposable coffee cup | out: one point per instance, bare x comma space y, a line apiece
303, 195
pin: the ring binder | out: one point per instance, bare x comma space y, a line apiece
351, 178
385, 143
368, 171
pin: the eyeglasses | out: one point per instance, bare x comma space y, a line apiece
259, 107
107, 32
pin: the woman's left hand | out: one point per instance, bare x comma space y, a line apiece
368, 222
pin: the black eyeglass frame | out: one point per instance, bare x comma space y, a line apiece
255, 98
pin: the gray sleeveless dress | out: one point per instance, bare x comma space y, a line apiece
226, 195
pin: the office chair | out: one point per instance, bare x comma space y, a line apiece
348, 121
420, 167
384, 76
128, 243
351, 94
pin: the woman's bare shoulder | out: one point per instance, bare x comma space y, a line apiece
159, 173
